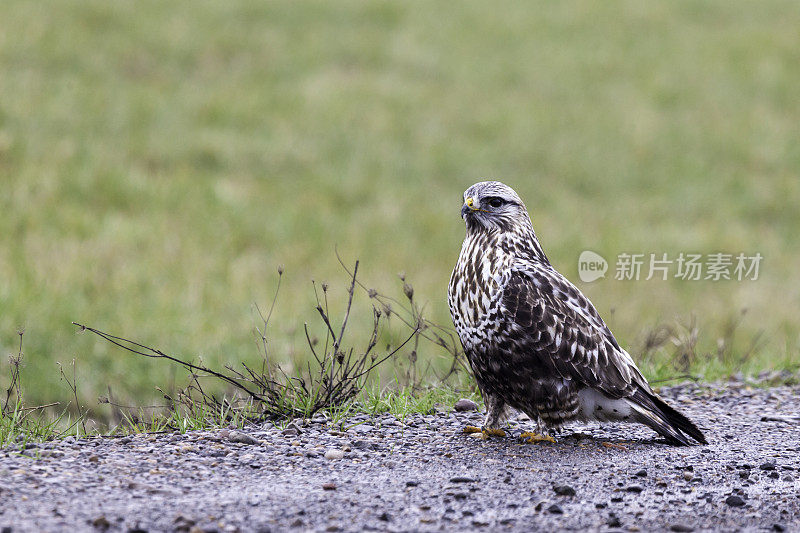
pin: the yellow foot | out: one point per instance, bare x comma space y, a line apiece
484, 433
533, 438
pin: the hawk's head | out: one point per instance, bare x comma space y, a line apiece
494, 205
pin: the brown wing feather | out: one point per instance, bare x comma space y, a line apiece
564, 333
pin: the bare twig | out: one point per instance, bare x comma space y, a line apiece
411, 316
271, 393
14, 385
154, 353
73, 387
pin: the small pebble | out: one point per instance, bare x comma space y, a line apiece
464, 404
101, 522
242, 438
735, 501
564, 490
334, 454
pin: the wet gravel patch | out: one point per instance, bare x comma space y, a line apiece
424, 474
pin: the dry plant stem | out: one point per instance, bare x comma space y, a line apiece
14, 385
683, 338
271, 392
73, 387
154, 353
413, 318
673, 378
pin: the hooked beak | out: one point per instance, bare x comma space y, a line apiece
469, 207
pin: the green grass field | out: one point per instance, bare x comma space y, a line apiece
159, 160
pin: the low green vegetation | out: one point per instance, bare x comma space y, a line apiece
159, 161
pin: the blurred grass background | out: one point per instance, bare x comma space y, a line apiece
159, 160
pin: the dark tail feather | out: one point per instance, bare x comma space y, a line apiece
665, 420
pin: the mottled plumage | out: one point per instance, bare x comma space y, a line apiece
533, 340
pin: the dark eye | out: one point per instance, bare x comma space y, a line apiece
495, 202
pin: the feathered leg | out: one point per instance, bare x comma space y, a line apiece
495, 409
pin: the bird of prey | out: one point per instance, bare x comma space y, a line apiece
533, 340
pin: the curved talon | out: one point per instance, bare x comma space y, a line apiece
533, 438
484, 433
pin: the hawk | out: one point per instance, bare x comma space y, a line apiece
533, 340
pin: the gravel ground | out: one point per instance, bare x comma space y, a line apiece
424, 474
